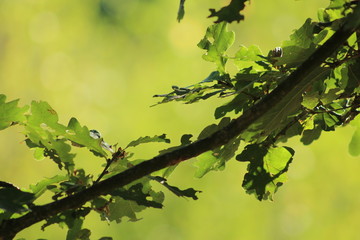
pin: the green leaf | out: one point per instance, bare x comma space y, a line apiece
44, 131
304, 36
39, 153
280, 114
207, 131
39, 188
266, 171
216, 158
249, 57
310, 100
189, 192
80, 135
129, 200
44, 118
299, 47
251, 153
294, 55
199, 91
216, 41
329, 120
83, 234
13, 199
229, 13
333, 12
52, 139
72, 219
10, 113
330, 96
354, 145
76, 233
121, 208
205, 163
181, 11
353, 81
238, 103
308, 136
136, 194
148, 139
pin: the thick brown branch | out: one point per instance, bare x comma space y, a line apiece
9, 228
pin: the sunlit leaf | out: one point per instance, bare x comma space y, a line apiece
249, 57
80, 135
148, 139
266, 170
280, 115
299, 47
215, 159
39, 188
121, 208
216, 41
354, 145
10, 113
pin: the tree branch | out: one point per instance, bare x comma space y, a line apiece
9, 228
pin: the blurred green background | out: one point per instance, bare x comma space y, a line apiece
102, 60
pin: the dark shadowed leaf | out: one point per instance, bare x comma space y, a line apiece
266, 171
13, 200
136, 194
229, 13
181, 10
189, 192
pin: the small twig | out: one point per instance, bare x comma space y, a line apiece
108, 163
119, 154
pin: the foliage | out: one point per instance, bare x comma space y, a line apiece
330, 100
55, 141
327, 98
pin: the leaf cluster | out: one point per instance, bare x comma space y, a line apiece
327, 98
54, 141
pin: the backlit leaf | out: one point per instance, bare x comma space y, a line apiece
216, 41
148, 139
39, 188
10, 112
266, 170
80, 135
354, 145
